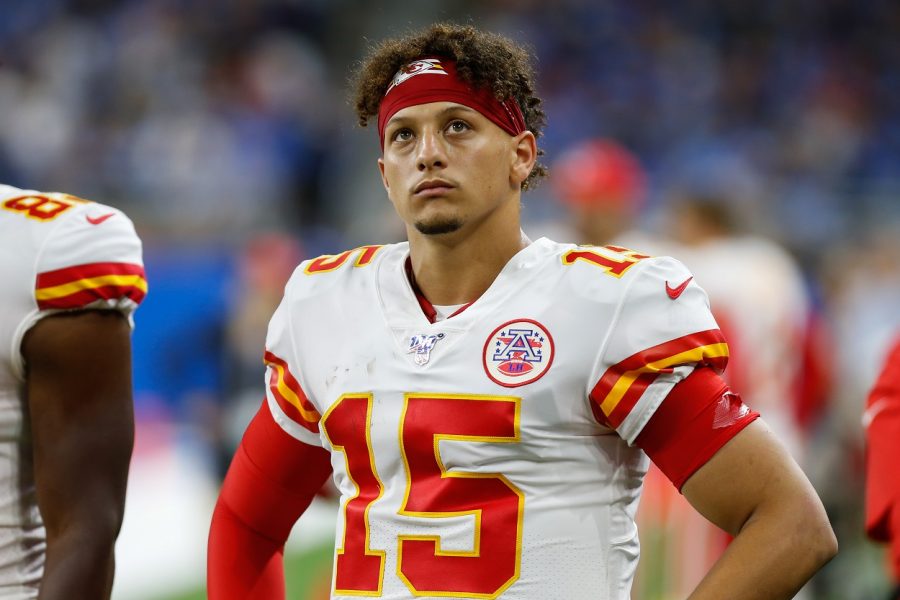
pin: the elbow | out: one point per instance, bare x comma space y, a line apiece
809, 539
825, 545
94, 531
815, 540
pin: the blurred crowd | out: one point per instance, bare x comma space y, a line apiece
222, 128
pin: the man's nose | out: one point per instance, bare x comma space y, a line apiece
431, 151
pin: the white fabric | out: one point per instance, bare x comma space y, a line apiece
442, 312
757, 293
348, 331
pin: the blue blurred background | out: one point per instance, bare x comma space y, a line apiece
222, 128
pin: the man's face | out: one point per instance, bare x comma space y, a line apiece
446, 167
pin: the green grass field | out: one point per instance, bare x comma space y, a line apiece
305, 573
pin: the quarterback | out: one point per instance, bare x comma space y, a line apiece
72, 276
487, 404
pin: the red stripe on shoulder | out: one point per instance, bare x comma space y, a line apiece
623, 384
86, 271
290, 396
85, 297
631, 397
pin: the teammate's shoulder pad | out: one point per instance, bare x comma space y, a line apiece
92, 233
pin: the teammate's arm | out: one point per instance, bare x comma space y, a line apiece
270, 483
78, 389
754, 490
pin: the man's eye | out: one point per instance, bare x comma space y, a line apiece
402, 135
458, 126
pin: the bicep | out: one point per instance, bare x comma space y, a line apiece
273, 477
751, 473
78, 390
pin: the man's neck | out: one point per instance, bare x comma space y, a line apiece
459, 273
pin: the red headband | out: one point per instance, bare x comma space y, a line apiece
435, 80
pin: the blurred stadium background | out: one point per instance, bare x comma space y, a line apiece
221, 127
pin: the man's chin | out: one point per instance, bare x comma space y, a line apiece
438, 227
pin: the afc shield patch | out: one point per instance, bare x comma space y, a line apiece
518, 353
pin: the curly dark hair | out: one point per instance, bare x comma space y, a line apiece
482, 60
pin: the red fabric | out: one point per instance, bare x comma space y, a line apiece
272, 479
714, 354
299, 409
87, 284
815, 380
695, 420
76, 273
242, 564
84, 297
882, 453
434, 79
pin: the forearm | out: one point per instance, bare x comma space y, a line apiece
755, 491
771, 558
271, 481
78, 560
82, 520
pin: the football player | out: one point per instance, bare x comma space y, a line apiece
758, 299
72, 276
485, 403
882, 424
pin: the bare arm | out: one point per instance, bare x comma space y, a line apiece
755, 491
82, 424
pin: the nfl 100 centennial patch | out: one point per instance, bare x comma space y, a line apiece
421, 345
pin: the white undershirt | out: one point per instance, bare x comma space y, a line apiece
442, 312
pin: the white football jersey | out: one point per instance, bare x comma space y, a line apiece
757, 294
57, 253
488, 455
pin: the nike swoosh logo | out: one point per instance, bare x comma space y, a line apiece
877, 407
98, 220
676, 291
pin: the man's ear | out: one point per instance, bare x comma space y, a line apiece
384, 181
524, 158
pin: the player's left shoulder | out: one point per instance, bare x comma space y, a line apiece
100, 218
42, 208
610, 266
70, 254
65, 229
665, 280
92, 254
91, 232
614, 271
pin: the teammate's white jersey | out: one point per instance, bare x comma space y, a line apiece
488, 455
757, 294
57, 253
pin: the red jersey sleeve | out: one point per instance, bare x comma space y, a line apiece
699, 416
272, 480
882, 423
